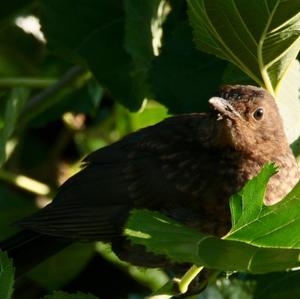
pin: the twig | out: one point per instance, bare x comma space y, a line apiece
25, 183
187, 278
27, 82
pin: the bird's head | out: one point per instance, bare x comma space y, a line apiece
248, 119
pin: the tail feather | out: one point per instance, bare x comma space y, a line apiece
28, 249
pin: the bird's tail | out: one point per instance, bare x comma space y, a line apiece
28, 249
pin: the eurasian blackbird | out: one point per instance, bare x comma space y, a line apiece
186, 167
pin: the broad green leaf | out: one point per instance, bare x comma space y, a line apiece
247, 205
261, 37
143, 32
267, 226
93, 33
62, 267
20, 53
185, 245
14, 105
182, 77
233, 75
63, 295
7, 272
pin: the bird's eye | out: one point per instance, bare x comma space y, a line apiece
258, 113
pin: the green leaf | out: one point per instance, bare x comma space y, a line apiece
260, 37
267, 226
248, 204
97, 40
182, 77
20, 53
7, 272
233, 75
143, 33
63, 295
14, 106
185, 245
62, 267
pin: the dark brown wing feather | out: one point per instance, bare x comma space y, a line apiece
160, 167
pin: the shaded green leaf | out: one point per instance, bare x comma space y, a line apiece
62, 267
142, 36
20, 53
182, 77
7, 272
96, 41
260, 37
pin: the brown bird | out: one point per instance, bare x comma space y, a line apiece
186, 167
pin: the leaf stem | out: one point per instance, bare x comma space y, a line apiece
187, 278
25, 183
261, 63
27, 82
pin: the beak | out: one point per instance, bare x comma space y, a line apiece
224, 108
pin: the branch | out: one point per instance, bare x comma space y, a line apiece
25, 183
27, 82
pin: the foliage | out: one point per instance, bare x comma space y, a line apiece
106, 68
261, 38
6, 276
183, 244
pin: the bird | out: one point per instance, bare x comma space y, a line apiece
186, 167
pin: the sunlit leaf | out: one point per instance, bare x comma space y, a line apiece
269, 228
266, 226
185, 245
261, 37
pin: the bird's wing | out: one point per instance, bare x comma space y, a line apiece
159, 167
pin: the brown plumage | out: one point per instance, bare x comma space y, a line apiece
186, 166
